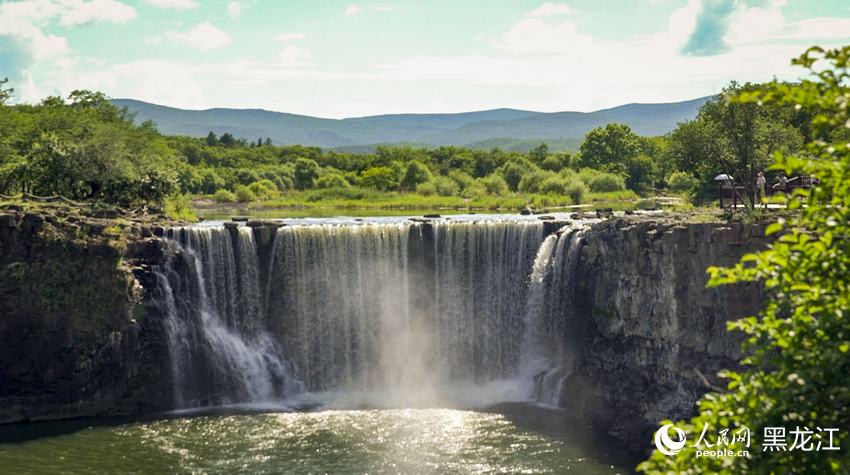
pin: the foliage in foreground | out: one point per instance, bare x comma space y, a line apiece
798, 369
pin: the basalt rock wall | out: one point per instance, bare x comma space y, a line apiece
654, 337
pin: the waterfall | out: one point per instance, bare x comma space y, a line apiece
398, 308
209, 291
549, 357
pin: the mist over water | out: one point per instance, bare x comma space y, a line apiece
395, 314
386, 347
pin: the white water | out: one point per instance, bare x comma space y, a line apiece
396, 314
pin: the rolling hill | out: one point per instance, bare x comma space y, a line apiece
476, 129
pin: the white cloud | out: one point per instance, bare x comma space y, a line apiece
550, 9
576, 71
292, 55
78, 12
535, 35
27, 13
352, 10
295, 36
234, 9
823, 28
754, 24
30, 49
175, 4
204, 37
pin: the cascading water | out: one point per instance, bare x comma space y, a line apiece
549, 313
209, 291
401, 309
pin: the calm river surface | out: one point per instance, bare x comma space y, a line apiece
509, 438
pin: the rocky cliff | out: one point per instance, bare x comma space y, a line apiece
80, 334
76, 338
653, 337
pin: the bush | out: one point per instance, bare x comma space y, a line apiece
263, 189
681, 182
244, 194
332, 180
445, 186
606, 183
462, 178
513, 171
379, 178
553, 163
415, 174
245, 176
428, 188
178, 207
494, 185
555, 185
576, 191
476, 190
224, 196
530, 182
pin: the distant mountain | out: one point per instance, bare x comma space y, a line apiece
507, 128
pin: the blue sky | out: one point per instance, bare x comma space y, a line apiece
356, 57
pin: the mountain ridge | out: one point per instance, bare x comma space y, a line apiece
457, 128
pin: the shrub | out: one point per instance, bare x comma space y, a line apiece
494, 185
606, 183
178, 207
379, 178
245, 176
553, 163
244, 194
476, 190
460, 177
224, 196
332, 180
530, 182
428, 188
555, 185
576, 191
414, 174
263, 189
681, 182
445, 186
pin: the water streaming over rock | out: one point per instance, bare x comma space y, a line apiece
398, 308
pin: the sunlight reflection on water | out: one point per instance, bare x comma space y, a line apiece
332, 441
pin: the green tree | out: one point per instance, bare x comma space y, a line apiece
514, 169
738, 138
5, 93
212, 140
538, 154
414, 174
227, 139
797, 368
611, 148
379, 178
305, 173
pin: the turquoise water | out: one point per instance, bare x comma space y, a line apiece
512, 438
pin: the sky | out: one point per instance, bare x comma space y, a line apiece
355, 57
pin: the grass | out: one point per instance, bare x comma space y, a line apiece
179, 207
356, 198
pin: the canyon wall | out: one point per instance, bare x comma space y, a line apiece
81, 333
76, 338
652, 336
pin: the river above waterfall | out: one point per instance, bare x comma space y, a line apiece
509, 438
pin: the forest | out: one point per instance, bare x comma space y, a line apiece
84, 148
